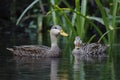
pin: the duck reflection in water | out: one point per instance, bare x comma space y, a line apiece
37, 68
88, 52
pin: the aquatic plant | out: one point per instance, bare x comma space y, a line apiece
77, 22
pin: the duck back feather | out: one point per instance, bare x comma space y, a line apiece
34, 51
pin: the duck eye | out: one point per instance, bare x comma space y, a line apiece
55, 27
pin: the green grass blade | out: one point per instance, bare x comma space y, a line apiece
74, 18
115, 4
23, 13
104, 16
91, 38
66, 3
98, 30
83, 11
105, 19
80, 21
53, 12
100, 20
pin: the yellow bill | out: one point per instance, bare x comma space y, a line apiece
77, 47
63, 33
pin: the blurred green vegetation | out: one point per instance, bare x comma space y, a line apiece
92, 20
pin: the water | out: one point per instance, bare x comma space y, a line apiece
24, 68
33, 69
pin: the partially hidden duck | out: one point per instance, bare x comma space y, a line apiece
40, 50
88, 51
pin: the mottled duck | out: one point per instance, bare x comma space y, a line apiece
86, 50
40, 50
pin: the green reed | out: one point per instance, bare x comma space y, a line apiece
54, 17
80, 21
107, 23
79, 18
70, 22
25, 11
76, 22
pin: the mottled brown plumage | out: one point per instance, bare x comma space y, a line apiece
88, 51
41, 51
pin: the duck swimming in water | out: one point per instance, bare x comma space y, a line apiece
41, 51
90, 51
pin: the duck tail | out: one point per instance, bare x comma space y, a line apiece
10, 49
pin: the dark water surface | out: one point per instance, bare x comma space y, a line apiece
24, 68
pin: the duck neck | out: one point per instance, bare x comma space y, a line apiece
53, 41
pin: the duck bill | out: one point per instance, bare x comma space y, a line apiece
77, 47
63, 33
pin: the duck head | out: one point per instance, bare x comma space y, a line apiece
56, 29
77, 42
